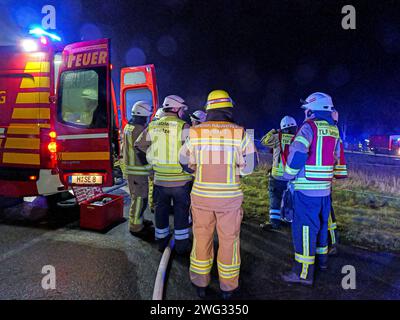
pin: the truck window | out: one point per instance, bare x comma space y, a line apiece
82, 98
134, 95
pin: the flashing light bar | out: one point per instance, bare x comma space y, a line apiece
29, 45
40, 32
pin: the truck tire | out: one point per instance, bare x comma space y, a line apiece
54, 199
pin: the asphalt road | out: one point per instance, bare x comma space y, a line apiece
115, 265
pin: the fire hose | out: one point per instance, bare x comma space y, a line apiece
162, 271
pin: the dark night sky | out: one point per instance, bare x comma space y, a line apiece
266, 54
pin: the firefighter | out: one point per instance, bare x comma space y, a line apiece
198, 117
159, 114
311, 164
279, 140
217, 151
137, 172
162, 142
340, 172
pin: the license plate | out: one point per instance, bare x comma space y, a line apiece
86, 179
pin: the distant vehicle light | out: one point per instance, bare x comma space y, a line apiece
40, 32
52, 147
29, 45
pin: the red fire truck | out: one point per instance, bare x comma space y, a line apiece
385, 144
59, 120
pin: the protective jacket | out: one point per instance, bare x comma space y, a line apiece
313, 155
133, 165
280, 143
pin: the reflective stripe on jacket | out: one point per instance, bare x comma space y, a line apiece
133, 165
319, 142
163, 154
340, 169
217, 151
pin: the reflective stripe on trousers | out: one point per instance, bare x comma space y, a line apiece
227, 223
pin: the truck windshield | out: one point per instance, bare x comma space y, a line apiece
82, 98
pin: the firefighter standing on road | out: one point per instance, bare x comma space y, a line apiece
218, 151
162, 141
137, 171
279, 140
311, 163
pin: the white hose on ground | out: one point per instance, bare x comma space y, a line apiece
162, 271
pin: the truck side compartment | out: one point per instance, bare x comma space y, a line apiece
26, 84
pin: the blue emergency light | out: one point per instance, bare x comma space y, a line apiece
40, 32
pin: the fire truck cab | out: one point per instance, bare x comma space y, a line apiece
60, 124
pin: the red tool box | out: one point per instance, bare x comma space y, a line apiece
97, 216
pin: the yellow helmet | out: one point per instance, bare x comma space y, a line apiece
218, 99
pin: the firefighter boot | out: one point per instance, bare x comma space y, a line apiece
229, 295
333, 251
292, 277
201, 291
146, 234
163, 243
322, 262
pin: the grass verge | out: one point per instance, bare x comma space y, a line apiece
366, 216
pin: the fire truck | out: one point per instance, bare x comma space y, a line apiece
385, 144
60, 123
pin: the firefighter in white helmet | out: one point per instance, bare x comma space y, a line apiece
137, 172
311, 165
218, 152
198, 117
159, 114
161, 142
279, 141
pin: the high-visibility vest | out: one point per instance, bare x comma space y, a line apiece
284, 142
163, 154
219, 149
132, 164
321, 157
340, 169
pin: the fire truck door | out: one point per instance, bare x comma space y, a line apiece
137, 83
84, 123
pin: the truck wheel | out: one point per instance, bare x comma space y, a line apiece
54, 199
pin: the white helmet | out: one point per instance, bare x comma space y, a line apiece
142, 109
288, 122
199, 116
318, 101
174, 102
159, 114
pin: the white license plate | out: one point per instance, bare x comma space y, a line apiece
86, 179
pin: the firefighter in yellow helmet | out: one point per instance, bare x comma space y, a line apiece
161, 143
137, 172
217, 152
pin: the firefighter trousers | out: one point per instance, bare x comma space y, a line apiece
138, 188
310, 232
177, 200
276, 190
333, 236
227, 223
